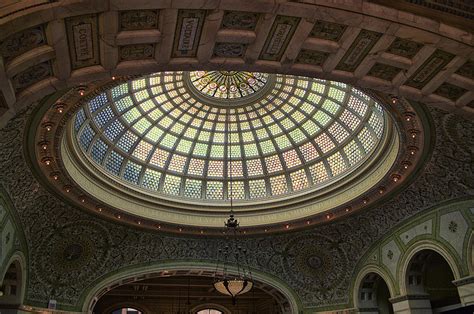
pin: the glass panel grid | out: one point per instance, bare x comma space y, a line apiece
178, 141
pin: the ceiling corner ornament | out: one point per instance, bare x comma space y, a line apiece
142, 140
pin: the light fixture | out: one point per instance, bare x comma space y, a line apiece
239, 282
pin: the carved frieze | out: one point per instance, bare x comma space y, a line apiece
435, 63
188, 32
279, 37
138, 19
328, 30
31, 76
82, 34
359, 49
240, 20
384, 71
22, 42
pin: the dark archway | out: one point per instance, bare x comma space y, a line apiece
11, 288
374, 295
178, 293
429, 274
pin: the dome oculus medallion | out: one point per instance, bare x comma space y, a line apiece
164, 147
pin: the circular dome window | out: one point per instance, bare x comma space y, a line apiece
302, 134
175, 148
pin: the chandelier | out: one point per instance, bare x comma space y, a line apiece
240, 281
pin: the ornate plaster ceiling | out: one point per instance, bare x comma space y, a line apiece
40, 56
52, 45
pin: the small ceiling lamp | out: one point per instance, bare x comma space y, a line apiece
239, 282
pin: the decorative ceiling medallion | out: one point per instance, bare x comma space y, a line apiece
150, 152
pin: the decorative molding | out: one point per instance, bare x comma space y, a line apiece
312, 57
450, 91
384, 71
229, 50
137, 52
22, 42
31, 76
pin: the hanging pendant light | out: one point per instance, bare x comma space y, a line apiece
237, 284
226, 283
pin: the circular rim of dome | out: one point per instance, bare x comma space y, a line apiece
53, 126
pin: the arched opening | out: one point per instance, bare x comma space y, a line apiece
374, 295
11, 286
429, 274
185, 292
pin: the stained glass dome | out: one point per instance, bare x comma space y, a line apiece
158, 134
229, 85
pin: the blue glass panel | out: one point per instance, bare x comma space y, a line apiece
99, 149
86, 137
114, 163
97, 102
80, 118
104, 116
113, 130
132, 172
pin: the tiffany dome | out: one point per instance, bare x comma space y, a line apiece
177, 139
